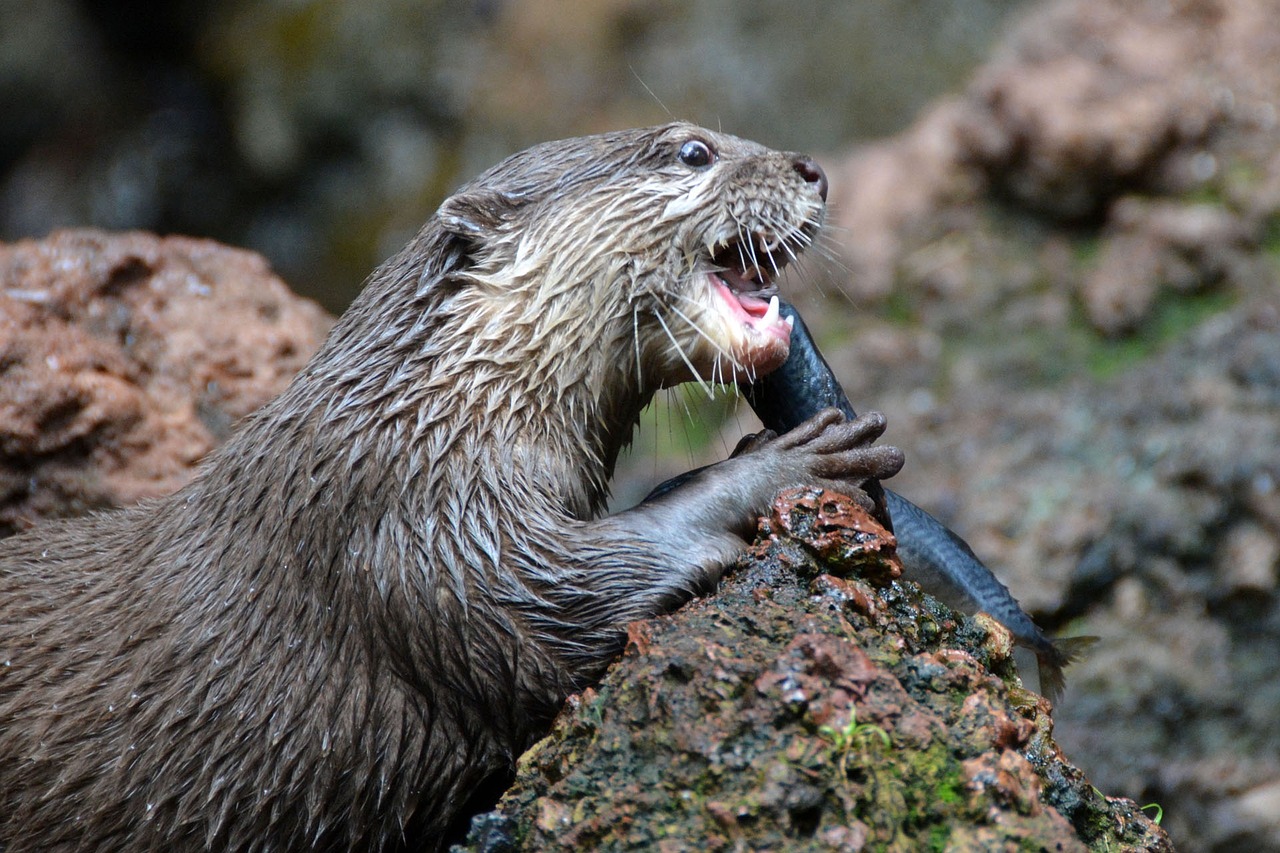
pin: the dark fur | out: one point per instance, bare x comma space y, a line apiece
380, 590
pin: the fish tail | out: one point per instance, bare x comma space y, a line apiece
1056, 655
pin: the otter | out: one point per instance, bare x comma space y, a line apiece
369, 601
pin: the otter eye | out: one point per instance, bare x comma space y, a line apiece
696, 154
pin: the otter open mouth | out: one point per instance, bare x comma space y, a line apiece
744, 278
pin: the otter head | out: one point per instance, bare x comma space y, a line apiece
661, 244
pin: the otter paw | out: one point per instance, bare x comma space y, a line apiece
840, 453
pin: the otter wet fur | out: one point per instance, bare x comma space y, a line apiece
342, 633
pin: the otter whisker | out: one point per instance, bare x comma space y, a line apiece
742, 238
680, 351
682, 395
801, 235
717, 369
773, 263
635, 337
720, 350
829, 250
751, 250
729, 379
803, 271
696, 328
832, 236
791, 254
693, 325
791, 233
746, 371
794, 242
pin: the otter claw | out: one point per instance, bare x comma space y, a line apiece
752, 442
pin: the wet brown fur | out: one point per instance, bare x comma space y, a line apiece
380, 590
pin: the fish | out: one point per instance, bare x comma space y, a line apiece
932, 554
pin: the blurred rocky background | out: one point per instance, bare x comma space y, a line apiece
1053, 262
322, 132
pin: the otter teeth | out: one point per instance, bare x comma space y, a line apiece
771, 316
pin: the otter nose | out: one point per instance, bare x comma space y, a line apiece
808, 169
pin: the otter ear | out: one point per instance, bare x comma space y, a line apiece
473, 214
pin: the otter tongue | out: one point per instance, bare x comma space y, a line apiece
757, 307
754, 310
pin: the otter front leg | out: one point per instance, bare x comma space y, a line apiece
707, 520
652, 558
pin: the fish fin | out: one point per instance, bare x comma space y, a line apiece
1054, 657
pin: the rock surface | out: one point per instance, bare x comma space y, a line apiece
816, 702
124, 358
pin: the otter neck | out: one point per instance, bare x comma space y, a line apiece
543, 386
467, 380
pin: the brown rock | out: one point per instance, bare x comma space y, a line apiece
1085, 104
1089, 109
1151, 246
784, 714
124, 358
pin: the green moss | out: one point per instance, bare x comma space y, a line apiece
854, 736
1270, 241
950, 791
900, 307
1171, 318
593, 711
1085, 251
